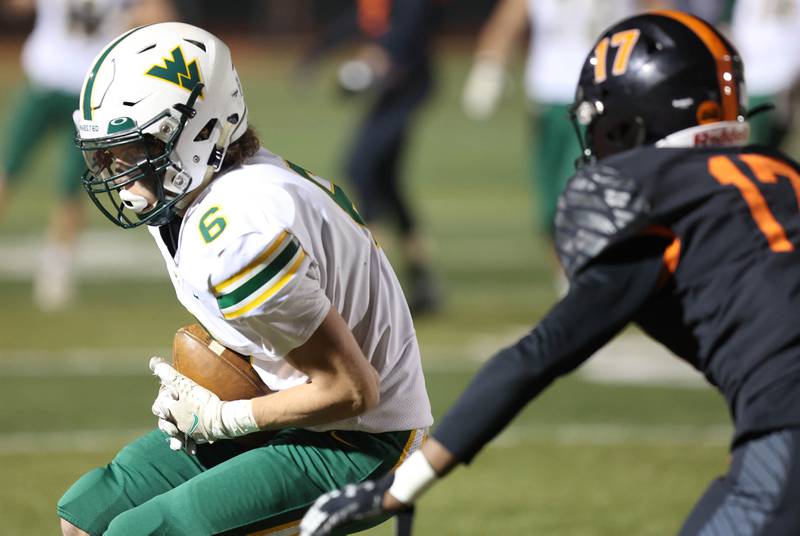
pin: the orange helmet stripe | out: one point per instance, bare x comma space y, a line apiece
722, 56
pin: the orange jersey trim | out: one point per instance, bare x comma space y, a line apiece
672, 253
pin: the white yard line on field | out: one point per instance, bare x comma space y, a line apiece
629, 359
124, 255
78, 441
77, 362
637, 359
614, 434
568, 434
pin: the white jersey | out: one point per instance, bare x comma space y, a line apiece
66, 37
264, 252
562, 32
767, 35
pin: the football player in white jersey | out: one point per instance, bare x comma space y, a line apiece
561, 31
275, 262
758, 29
66, 36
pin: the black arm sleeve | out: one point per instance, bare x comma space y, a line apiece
602, 299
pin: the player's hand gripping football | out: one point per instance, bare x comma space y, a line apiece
352, 503
184, 407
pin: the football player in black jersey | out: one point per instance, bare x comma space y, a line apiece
674, 223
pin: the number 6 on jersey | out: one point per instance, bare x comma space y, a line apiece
212, 224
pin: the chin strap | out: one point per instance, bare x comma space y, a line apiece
719, 134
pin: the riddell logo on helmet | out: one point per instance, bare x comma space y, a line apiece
723, 136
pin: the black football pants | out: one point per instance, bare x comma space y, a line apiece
375, 159
760, 494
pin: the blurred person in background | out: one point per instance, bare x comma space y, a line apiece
560, 33
759, 28
66, 36
717, 12
394, 70
675, 223
276, 263
767, 34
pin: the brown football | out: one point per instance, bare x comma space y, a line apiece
222, 371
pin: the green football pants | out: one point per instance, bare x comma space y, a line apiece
554, 148
38, 112
771, 127
226, 489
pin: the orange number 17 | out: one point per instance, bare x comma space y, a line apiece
624, 42
766, 170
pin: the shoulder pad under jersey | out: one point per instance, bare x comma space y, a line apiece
598, 206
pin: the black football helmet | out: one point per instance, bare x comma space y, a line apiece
665, 78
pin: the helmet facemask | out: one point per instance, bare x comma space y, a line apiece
116, 162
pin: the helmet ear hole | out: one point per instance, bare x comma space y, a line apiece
609, 135
206, 131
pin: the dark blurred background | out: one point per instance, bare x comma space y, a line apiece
271, 18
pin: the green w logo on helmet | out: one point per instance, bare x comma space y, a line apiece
177, 71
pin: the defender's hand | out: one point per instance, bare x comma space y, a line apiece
196, 411
352, 503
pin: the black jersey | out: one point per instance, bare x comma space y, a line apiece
697, 246
731, 307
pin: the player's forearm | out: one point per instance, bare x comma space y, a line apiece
342, 382
442, 461
496, 394
601, 301
502, 32
322, 401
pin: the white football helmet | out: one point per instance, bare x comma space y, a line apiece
160, 105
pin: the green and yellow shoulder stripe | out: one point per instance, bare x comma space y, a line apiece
261, 278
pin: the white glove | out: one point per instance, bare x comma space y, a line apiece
177, 439
483, 88
196, 411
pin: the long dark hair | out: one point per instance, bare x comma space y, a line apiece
242, 149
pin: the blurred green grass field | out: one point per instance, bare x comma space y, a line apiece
587, 459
